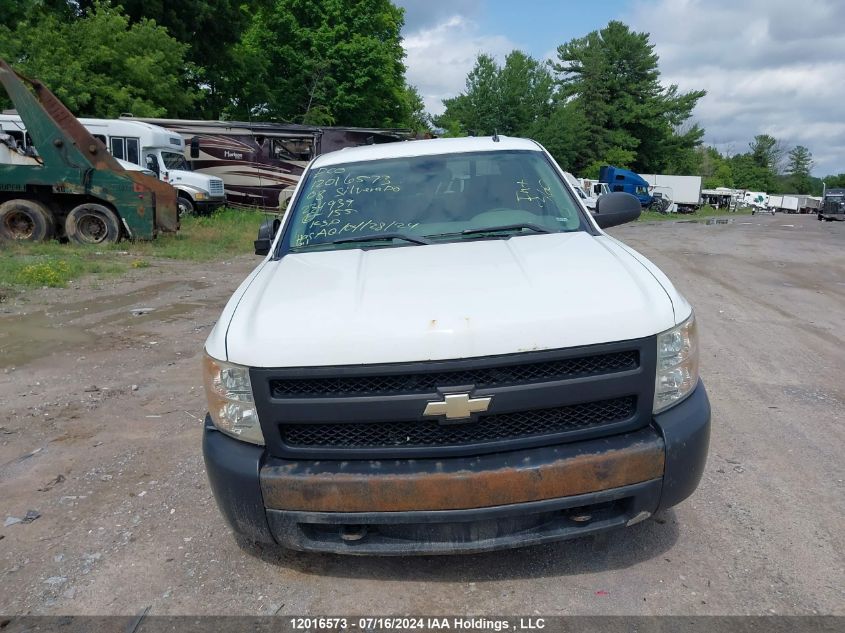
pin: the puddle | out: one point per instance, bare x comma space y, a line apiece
25, 338
130, 299
719, 221
165, 314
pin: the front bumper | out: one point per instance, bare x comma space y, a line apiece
209, 204
462, 504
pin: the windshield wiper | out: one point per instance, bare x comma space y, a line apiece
506, 227
377, 237
495, 229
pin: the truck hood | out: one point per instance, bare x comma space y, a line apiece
443, 301
191, 179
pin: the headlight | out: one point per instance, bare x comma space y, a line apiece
677, 364
230, 401
199, 195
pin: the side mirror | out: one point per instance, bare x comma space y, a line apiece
195, 147
616, 208
266, 233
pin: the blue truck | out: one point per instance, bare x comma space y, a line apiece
619, 179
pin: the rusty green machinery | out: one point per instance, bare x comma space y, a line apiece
73, 188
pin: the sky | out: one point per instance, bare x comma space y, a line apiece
769, 66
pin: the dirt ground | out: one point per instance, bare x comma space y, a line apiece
100, 426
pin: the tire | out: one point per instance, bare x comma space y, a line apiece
25, 221
185, 206
91, 223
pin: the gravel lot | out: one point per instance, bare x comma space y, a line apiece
100, 425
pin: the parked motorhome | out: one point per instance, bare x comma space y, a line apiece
257, 161
149, 147
720, 197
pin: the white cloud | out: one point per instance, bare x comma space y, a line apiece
440, 57
421, 14
769, 67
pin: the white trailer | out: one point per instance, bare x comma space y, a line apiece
784, 204
683, 191
808, 204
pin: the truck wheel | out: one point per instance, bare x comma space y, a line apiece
25, 221
92, 224
186, 206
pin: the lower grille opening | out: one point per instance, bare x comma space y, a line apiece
491, 428
472, 531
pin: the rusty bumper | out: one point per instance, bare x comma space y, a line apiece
460, 504
462, 483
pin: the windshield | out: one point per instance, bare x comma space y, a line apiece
430, 199
174, 160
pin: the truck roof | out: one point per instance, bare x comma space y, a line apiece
429, 147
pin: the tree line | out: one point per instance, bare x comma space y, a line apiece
331, 62
601, 102
341, 62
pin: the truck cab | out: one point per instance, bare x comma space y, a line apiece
833, 205
587, 198
625, 180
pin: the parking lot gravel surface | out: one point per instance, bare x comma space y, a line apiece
101, 410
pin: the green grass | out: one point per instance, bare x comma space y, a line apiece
704, 212
226, 233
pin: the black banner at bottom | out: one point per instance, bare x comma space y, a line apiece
143, 623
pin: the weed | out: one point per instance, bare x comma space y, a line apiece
704, 212
226, 233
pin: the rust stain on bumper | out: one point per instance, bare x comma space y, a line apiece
331, 487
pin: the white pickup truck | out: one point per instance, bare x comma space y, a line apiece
442, 351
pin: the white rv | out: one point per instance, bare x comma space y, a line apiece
149, 147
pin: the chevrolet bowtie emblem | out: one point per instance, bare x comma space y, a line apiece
457, 406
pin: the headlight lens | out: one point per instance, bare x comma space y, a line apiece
199, 195
230, 401
677, 364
